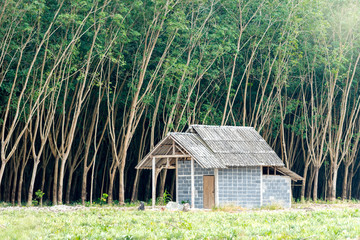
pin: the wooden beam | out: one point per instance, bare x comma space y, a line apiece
153, 183
167, 167
173, 147
178, 148
170, 156
192, 184
167, 163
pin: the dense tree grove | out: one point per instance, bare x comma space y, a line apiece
88, 87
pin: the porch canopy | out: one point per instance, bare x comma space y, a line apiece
175, 146
212, 147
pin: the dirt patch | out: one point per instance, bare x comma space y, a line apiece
56, 208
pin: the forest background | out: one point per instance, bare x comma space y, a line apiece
87, 87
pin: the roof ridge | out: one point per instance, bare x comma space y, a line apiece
181, 133
219, 126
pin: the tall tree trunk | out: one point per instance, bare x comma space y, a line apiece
316, 179
310, 182
328, 184
111, 186
2, 169
162, 182
122, 183
55, 183
83, 185
351, 176
334, 180
21, 180
68, 187
61, 182
134, 196
103, 181
13, 193
43, 183
303, 185
345, 181
94, 175
32, 182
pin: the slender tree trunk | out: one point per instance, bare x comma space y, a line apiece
93, 180
8, 185
303, 185
134, 196
55, 183
103, 181
43, 183
111, 186
13, 193
334, 180
83, 185
345, 181
310, 183
122, 184
32, 182
61, 182
2, 169
351, 176
316, 179
68, 188
162, 182
21, 179
328, 180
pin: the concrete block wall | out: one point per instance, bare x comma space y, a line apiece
240, 186
184, 182
276, 190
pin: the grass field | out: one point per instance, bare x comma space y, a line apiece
117, 223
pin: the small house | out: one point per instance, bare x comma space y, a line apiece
222, 165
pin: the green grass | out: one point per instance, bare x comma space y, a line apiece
113, 223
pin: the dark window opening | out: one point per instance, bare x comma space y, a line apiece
271, 171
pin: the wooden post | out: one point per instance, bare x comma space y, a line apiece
216, 173
261, 188
153, 183
177, 181
192, 184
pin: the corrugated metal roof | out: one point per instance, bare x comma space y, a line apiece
219, 147
196, 147
237, 146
